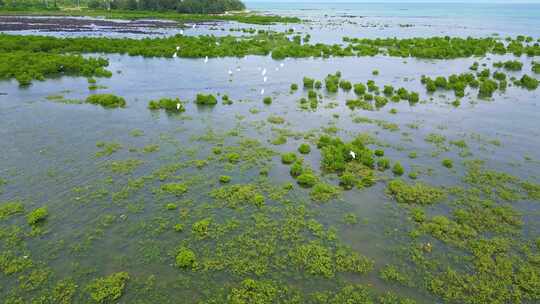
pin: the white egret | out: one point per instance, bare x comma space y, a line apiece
178, 48
230, 73
264, 72
262, 92
238, 69
194, 26
206, 59
178, 107
181, 32
174, 55
282, 64
353, 155
265, 78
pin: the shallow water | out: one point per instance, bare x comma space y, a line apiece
48, 149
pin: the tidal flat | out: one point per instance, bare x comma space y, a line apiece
381, 171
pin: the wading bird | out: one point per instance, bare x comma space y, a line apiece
353, 155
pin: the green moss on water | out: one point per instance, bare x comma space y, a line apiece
418, 193
398, 169
304, 149
448, 163
106, 100
288, 158
8, 209
167, 104
307, 179
206, 99
185, 258
177, 189
37, 215
108, 289
107, 149
323, 192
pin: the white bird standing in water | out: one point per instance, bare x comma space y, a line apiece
265, 78
178, 48
238, 69
181, 32
178, 107
194, 26
282, 64
174, 55
230, 73
264, 72
353, 155
262, 92
206, 59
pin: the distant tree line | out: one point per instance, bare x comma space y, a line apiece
181, 6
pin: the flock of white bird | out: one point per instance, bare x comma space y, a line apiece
264, 71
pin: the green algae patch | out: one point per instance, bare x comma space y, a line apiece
107, 149
235, 196
27, 66
185, 258
288, 158
167, 104
314, 258
418, 193
177, 189
37, 215
304, 149
323, 192
106, 100
125, 166
8, 209
108, 289
206, 99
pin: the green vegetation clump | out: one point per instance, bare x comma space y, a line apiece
288, 158
448, 163
167, 104
345, 85
332, 82
277, 120
307, 179
106, 100
360, 89
304, 149
527, 82
486, 89
267, 100
203, 99
235, 196
308, 82
510, 65
294, 87
108, 289
224, 179
8, 209
177, 189
398, 169
323, 192
37, 215
536, 67
419, 193
26, 66
185, 258
348, 180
